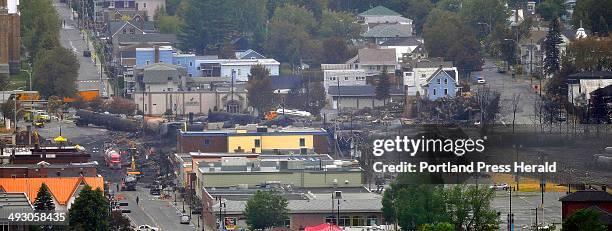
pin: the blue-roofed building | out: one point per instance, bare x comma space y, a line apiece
147, 56
186, 60
442, 83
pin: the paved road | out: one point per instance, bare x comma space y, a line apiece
508, 87
155, 212
70, 37
523, 207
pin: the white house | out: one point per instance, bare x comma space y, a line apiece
240, 67
343, 78
417, 72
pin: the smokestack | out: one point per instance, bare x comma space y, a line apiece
156, 54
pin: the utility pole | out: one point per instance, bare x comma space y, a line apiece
531, 61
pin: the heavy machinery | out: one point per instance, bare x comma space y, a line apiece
112, 158
129, 184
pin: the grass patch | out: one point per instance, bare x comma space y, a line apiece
19, 81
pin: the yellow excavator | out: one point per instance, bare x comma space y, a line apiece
132, 173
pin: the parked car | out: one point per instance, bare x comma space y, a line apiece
154, 191
185, 219
480, 80
500, 186
147, 228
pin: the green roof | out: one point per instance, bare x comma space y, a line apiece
380, 10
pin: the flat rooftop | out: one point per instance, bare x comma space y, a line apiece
253, 130
311, 200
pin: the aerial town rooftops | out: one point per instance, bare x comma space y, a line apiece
389, 31
379, 11
14, 202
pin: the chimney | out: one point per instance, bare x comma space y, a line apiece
156, 60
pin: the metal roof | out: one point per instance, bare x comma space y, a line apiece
379, 10
389, 31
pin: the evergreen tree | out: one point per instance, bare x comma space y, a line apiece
259, 86
585, 219
551, 47
603, 27
383, 86
90, 211
44, 199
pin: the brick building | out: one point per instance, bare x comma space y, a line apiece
10, 37
599, 201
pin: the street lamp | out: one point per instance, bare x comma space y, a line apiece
510, 214
30, 75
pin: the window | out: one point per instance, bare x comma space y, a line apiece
258, 143
287, 222
445, 81
346, 78
239, 70
198, 68
344, 221
303, 151
147, 62
126, 4
302, 142
111, 4
423, 76
439, 81
330, 219
191, 64
445, 91
372, 221
357, 221
144, 5
169, 89
206, 142
178, 62
169, 78
434, 91
124, 31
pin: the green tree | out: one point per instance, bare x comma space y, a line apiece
587, 13
252, 18
40, 26
443, 226
590, 54
226, 51
120, 222
90, 211
335, 50
44, 199
8, 111
448, 37
585, 219
339, 24
551, 9
479, 15
55, 73
551, 48
289, 35
414, 204
266, 209
167, 23
209, 24
383, 86
259, 87
418, 11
